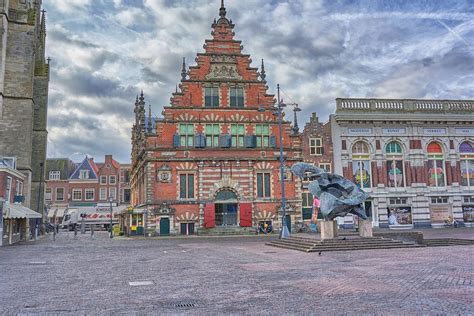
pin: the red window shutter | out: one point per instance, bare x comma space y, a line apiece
245, 214
209, 215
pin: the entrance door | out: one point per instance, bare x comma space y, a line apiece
226, 214
288, 222
164, 226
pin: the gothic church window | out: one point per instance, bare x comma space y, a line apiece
211, 97
395, 172
436, 168
236, 97
467, 163
186, 135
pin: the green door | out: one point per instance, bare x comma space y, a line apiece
164, 226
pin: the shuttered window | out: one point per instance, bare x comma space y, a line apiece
237, 132
262, 131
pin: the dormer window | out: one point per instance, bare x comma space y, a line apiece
54, 175
236, 97
211, 99
84, 174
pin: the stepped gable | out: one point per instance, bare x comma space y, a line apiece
222, 64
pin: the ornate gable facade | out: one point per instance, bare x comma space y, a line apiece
213, 158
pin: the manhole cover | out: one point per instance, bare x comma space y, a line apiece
140, 283
36, 262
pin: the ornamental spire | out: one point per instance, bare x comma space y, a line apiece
222, 11
183, 70
262, 72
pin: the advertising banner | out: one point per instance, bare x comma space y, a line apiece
468, 213
440, 213
400, 215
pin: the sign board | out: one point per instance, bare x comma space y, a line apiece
440, 213
394, 131
434, 131
468, 213
360, 131
400, 215
464, 131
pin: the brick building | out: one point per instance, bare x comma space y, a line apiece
212, 159
24, 80
414, 157
86, 184
317, 149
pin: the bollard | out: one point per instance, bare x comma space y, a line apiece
54, 233
83, 226
57, 228
92, 231
75, 231
36, 232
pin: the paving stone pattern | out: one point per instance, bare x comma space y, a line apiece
233, 275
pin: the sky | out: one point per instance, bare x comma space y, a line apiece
104, 52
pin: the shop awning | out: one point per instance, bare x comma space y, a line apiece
56, 211
15, 210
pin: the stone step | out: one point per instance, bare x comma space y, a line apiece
341, 245
346, 248
439, 242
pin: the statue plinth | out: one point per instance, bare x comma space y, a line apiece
365, 228
328, 230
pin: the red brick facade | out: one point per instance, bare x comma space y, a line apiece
211, 166
317, 143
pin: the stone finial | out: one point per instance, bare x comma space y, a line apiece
183, 70
222, 11
295, 128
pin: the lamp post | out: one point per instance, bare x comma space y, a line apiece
111, 216
284, 232
1, 221
39, 198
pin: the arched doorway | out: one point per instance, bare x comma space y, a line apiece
226, 208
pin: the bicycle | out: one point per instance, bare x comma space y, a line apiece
301, 227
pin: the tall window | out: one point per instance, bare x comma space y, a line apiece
211, 97
54, 175
237, 132
262, 131
8, 189
237, 97
112, 179
263, 185
89, 193
113, 193
186, 133
361, 164
315, 146
103, 194
395, 172
19, 188
103, 179
59, 194
186, 186
76, 194
307, 205
47, 194
212, 135
436, 168
467, 164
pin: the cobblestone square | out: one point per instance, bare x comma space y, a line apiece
232, 275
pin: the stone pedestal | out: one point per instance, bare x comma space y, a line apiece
328, 230
365, 228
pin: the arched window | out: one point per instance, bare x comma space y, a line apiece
226, 195
361, 164
394, 156
436, 168
466, 150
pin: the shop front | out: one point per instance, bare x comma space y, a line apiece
16, 218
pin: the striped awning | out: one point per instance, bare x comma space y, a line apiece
16, 210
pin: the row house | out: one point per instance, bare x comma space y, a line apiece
414, 157
86, 184
212, 160
15, 217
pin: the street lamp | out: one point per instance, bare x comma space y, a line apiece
111, 215
1, 221
284, 232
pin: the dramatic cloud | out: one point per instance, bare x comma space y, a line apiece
104, 52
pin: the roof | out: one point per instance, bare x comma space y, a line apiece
64, 165
86, 164
15, 210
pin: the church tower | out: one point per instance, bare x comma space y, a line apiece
211, 162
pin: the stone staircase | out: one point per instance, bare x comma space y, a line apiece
439, 242
340, 244
226, 231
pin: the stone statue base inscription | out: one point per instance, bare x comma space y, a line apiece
328, 230
365, 228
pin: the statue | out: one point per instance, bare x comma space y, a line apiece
338, 196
